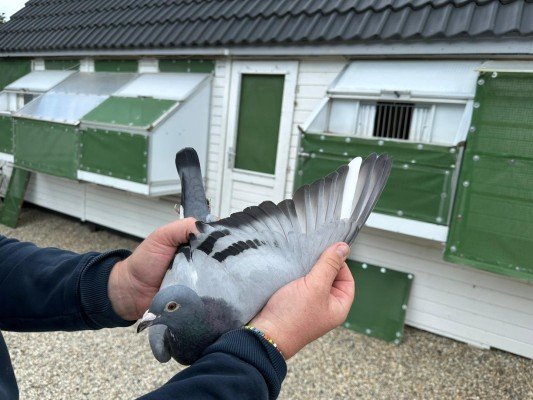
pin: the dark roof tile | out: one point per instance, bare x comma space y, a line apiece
60, 25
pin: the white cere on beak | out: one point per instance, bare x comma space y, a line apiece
148, 316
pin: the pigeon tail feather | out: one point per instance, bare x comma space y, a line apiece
193, 197
350, 193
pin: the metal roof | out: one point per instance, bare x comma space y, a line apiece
66, 25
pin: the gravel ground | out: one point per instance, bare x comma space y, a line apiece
117, 363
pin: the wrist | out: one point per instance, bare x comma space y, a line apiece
285, 343
121, 301
263, 336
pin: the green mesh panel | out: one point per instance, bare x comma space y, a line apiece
198, 66
70, 65
420, 183
116, 66
129, 111
492, 221
13, 69
6, 134
10, 210
116, 154
46, 147
381, 301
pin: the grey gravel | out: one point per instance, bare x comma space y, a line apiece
117, 363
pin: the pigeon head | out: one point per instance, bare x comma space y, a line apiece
172, 306
186, 322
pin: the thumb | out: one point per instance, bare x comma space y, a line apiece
329, 264
175, 233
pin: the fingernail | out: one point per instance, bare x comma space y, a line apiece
343, 250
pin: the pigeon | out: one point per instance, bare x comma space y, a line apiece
227, 272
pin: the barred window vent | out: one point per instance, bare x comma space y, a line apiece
393, 120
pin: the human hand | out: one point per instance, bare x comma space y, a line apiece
134, 281
311, 306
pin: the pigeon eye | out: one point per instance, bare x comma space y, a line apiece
172, 306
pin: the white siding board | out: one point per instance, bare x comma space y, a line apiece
314, 78
472, 318
306, 104
432, 322
434, 286
217, 133
56, 194
133, 214
321, 66
317, 78
310, 92
463, 303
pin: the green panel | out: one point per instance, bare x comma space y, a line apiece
420, 183
13, 69
10, 211
380, 303
6, 134
116, 66
198, 66
492, 220
129, 111
258, 122
71, 65
116, 154
46, 147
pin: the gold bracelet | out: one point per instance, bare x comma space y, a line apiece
263, 335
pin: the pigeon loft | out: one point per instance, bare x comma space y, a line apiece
95, 114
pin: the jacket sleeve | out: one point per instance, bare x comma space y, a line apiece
239, 365
45, 289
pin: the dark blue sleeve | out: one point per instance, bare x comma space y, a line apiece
44, 289
239, 365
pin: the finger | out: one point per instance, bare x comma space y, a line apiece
343, 287
176, 232
329, 264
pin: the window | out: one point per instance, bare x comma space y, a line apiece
393, 120
27, 97
381, 119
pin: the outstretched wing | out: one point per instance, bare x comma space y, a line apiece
269, 245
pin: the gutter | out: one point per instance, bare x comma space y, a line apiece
436, 48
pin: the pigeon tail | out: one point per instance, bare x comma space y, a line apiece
195, 205
193, 198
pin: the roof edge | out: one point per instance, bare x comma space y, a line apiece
514, 46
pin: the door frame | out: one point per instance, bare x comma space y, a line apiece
290, 70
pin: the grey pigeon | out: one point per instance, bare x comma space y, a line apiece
227, 273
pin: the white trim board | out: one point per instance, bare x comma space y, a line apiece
153, 190
116, 183
424, 230
10, 158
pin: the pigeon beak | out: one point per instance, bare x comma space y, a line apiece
146, 321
